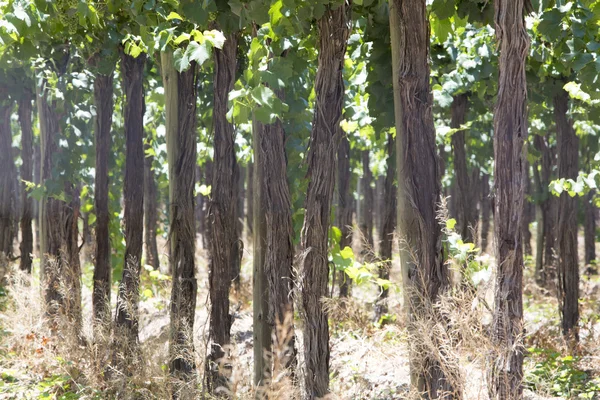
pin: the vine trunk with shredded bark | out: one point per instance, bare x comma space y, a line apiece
366, 217
279, 254
425, 274
103, 98
222, 214
343, 214
387, 224
180, 106
127, 318
150, 209
61, 270
542, 177
505, 370
334, 28
589, 229
466, 216
486, 210
25, 112
566, 238
8, 196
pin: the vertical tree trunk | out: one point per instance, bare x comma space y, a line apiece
103, 98
528, 214
462, 194
425, 274
486, 210
150, 211
510, 133
8, 206
567, 265
366, 223
334, 29
249, 198
206, 231
279, 252
25, 111
589, 229
223, 212
180, 106
199, 208
61, 270
387, 224
344, 207
539, 240
547, 208
37, 170
133, 194
239, 245
260, 283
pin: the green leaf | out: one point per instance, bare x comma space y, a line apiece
263, 96
181, 38
444, 9
174, 15
347, 253
450, 224
181, 60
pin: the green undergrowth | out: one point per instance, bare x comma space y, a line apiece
548, 372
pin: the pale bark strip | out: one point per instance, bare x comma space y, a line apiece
505, 372
334, 28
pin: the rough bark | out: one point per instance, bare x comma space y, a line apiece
387, 225
334, 28
150, 211
344, 207
547, 204
61, 271
279, 254
425, 274
126, 320
260, 283
222, 216
8, 195
180, 95
26, 248
37, 169
486, 211
589, 229
366, 220
199, 208
206, 229
103, 98
465, 210
510, 132
566, 240
239, 247
528, 214
249, 197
